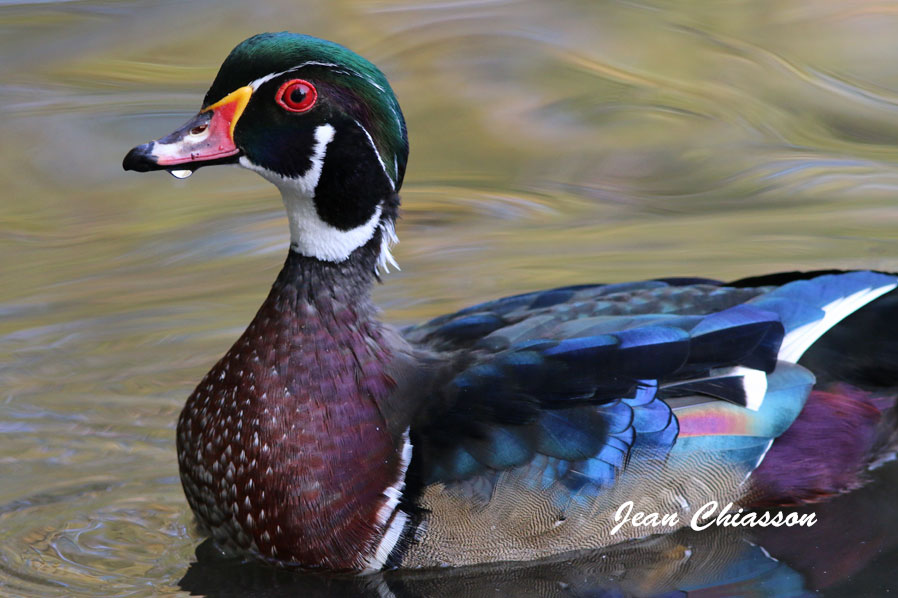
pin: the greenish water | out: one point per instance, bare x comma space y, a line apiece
552, 143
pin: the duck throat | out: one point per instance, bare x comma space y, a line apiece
338, 197
283, 447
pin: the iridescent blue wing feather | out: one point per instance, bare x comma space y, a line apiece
581, 380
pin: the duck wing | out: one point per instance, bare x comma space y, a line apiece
562, 393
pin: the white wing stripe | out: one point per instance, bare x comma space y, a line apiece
799, 340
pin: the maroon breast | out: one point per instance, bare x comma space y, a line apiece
282, 448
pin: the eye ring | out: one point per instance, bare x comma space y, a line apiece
296, 95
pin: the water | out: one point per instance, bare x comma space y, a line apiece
552, 143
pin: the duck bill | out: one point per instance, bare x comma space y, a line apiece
207, 138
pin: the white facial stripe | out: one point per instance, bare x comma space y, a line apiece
309, 234
398, 125
377, 153
258, 82
262, 80
369, 80
324, 134
305, 184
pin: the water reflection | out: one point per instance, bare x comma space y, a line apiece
853, 533
664, 566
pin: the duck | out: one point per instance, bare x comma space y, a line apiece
517, 429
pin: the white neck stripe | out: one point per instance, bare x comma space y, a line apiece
309, 234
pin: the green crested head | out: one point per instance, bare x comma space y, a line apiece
349, 89
314, 118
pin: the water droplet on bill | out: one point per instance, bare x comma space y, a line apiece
180, 174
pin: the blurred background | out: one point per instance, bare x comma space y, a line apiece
552, 143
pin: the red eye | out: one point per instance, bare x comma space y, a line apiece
296, 95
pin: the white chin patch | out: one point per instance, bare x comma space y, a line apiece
309, 234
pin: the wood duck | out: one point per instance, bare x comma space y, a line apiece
510, 430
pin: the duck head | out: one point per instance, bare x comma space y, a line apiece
315, 119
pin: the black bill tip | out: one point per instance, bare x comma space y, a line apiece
140, 159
